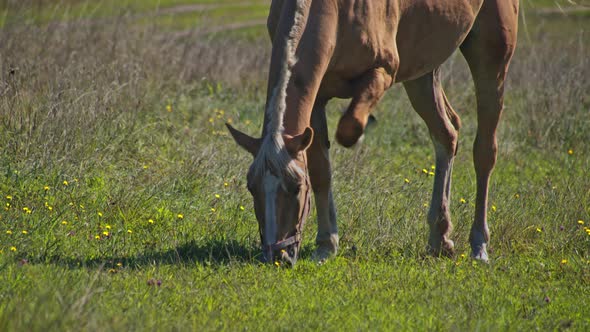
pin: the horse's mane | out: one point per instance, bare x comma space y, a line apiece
272, 154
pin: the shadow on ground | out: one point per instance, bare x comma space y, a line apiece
208, 253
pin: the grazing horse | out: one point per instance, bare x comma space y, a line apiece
323, 49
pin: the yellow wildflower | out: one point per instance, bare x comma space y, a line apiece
180, 216
129, 231
425, 171
169, 108
64, 222
107, 226
431, 173
564, 261
406, 180
539, 230
151, 221
242, 207
105, 233
97, 237
277, 263
580, 222
212, 209
225, 184
432, 167
570, 152
119, 264
25, 232
516, 195
462, 200
46, 188
494, 208
8, 197
13, 248
100, 214
217, 196
9, 232
65, 182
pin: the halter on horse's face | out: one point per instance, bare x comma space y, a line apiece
279, 183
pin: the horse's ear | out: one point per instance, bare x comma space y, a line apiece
301, 142
249, 143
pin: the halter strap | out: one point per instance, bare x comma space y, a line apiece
296, 238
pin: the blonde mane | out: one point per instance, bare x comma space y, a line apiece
272, 154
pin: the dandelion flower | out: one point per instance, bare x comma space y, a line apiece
151, 221
13, 248
46, 188
145, 167
425, 171
180, 216
25, 232
242, 207
8, 197
580, 222
462, 200
119, 264
64, 222
539, 230
65, 183
432, 167
129, 231
105, 233
516, 195
225, 184
277, 263
112, 271
212, 209
570, 152
431, 173
217, 196
564, 261
9, 232
100, 214
406, 180
107, 226
169, 108
494, 208
97, 237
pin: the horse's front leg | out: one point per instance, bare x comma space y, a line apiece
368, 90
320, 173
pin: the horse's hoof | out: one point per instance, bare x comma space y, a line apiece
321, 255
480, 253
446, 248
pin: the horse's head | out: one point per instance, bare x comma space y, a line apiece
279, 183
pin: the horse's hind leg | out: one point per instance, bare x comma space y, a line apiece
488, 49
428, 99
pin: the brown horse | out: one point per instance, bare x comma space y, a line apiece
357, 49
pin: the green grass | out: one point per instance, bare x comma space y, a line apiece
113, 138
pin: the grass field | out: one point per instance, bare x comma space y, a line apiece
124, 205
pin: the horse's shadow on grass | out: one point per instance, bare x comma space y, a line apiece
208, 253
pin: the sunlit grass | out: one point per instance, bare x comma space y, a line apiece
123, 203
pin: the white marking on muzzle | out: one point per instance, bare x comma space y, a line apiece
271, 185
